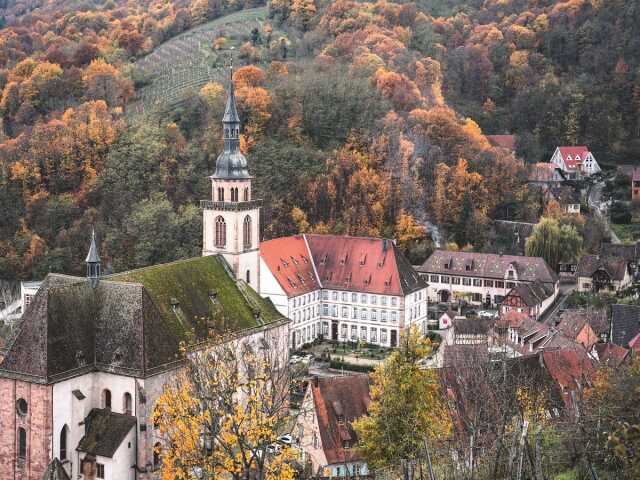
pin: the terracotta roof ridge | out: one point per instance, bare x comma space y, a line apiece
312, 260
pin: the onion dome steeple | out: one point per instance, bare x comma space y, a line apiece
231, 164
93, 262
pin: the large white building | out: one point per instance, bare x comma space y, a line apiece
482, 278
336, 287
342, 288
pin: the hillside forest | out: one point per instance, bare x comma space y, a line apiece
360, 118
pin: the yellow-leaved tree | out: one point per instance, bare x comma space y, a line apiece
407, 406
221, 415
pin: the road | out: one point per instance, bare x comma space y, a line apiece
600, 208
549, 317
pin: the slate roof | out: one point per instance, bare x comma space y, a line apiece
55, 471
532, 294
465, 355
616, 267
92, 256
334, 397
104, 431
472, 326
630, 253
488, 265
132, 323
625, 323
338, 262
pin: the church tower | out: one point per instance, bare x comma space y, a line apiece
231, 219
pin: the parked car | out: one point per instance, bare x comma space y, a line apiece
486, 314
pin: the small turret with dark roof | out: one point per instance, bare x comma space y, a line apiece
93, 262
231, 164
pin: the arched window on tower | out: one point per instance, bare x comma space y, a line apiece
64, 433
106, 398
22, 443
246, 232
221, 232
246, 194
127, 404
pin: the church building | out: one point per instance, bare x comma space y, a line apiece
335, 287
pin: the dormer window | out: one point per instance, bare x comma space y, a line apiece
343, 260
363, 259
448, 264
324, 259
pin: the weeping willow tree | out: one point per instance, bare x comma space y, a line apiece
554, 243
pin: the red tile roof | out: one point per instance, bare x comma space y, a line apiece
335, 397
611, 354
569, 367
634, 344
582, 151
290, 262
503, 141
362, 264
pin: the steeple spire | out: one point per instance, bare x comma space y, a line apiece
231, 164
93, 262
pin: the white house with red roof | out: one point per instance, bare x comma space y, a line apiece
575, 162
342, 288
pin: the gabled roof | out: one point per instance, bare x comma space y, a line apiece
572, 152
572, 321
503, 141
291, 264
360, 264
610, 354
614, 266
488, 265
625, 323
570, 367
338, 401
472, 326
532, 294
104, 432
131, 323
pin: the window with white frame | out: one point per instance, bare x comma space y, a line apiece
354, 297
334, 310
383, 315
363, 334
325, 295
383, 301
374, 300
345, 312
383, 335
345, 297
373, 335
363, 298
343, 330
477, 282
354, 313
325, 329
354, 332
363, 314
466, 281
334, 295
374, 315
394, 316
325, 309
394, 301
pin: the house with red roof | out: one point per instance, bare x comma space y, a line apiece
343, 288
575, 162
324, 427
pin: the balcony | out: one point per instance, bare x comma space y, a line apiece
230, 206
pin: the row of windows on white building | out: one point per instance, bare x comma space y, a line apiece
476, 282
354, 313
347, 332
353, 297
